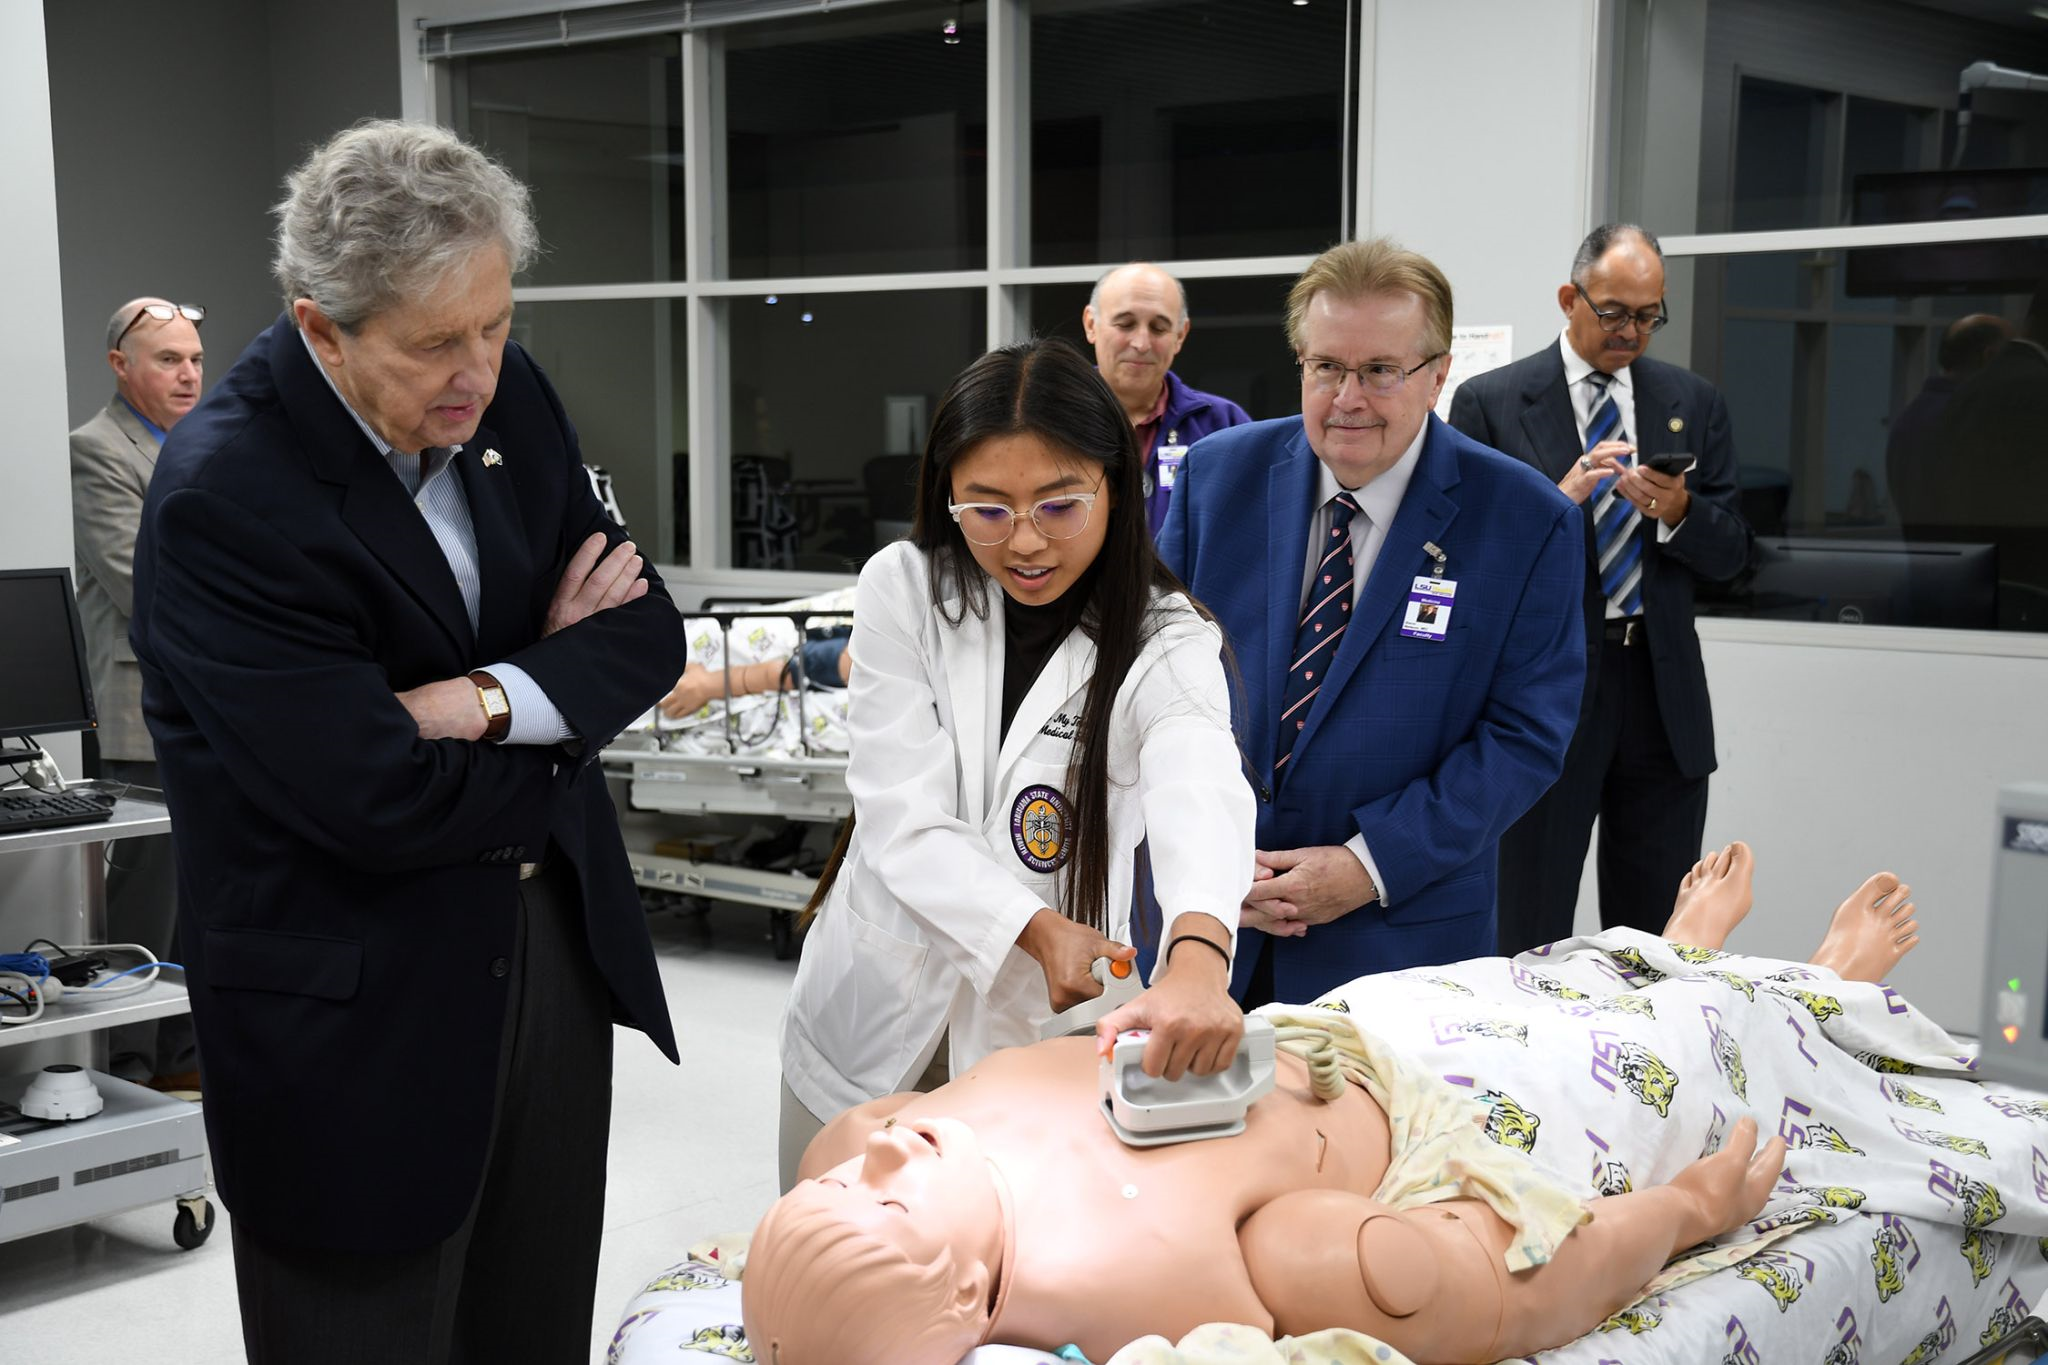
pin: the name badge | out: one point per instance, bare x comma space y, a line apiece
1429, 608
1169, 464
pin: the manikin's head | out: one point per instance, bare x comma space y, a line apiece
895, 1255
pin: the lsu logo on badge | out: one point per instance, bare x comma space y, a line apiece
1038, 829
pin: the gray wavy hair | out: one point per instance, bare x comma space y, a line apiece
386, 208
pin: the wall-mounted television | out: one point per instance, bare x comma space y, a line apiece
2014, 265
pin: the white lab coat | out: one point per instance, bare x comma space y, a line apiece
918, 935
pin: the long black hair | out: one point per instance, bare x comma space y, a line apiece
1046, 388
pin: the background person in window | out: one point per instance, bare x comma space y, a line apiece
1912, 449
153, 348
1994, 444
1137, 320
1581, 412
1031, 695
1387, 763
385, 630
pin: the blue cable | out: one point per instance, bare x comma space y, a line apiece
33, 965
147, 966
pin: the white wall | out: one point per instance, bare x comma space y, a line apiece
1480, 154
35, 463
34, 466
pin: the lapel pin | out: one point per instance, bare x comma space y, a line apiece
1678, 424
492, 457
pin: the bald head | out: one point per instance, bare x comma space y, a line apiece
1970, 341
1137, 320
157, 360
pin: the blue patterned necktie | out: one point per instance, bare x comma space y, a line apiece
1322, 622
1616, 522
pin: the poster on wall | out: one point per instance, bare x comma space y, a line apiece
1475, 350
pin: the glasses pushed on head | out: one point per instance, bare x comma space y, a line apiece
991, 523
162, 312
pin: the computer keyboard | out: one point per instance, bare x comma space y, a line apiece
21, 811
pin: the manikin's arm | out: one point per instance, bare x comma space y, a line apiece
1431, 1281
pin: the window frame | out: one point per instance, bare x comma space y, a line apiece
706, 289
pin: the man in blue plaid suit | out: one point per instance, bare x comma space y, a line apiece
1403, 604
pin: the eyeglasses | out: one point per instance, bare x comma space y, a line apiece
1614, 319
162, 312
1380, 376
990, 523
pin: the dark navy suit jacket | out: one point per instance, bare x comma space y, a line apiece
1430, 749
348, 892
1524, 409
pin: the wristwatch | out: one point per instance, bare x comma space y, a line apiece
490, 694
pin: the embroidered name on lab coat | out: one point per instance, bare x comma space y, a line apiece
1061, 726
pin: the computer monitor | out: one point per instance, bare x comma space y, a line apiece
1875, 582
45, 685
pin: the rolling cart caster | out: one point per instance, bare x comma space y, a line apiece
194, 1223
782, 933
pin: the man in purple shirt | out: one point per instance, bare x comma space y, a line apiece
1137, 320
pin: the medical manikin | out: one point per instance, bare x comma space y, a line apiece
1001, 1207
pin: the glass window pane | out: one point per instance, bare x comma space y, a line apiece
857, 143
1185, 129
1741, 115
597, 133
1891, 451
829, 417
1237, 338
1780, 157
619, 366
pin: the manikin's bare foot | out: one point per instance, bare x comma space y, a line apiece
1871, 931
1713, 897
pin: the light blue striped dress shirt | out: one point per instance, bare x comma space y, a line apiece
436, 490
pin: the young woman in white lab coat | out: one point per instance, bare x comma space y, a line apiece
1032, 694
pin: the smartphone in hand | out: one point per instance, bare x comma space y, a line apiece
1671, 461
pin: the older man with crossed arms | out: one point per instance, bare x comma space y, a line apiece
385, 628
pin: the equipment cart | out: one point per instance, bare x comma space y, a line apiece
142, 1147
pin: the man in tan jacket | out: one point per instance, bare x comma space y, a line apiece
153, 348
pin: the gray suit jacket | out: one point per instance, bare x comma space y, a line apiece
112, 458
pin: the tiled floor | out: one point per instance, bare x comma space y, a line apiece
692, 1154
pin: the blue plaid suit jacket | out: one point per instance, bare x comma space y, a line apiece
1430, 749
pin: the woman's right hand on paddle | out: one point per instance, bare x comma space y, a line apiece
1067, 951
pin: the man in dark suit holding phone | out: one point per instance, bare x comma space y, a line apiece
1644, 448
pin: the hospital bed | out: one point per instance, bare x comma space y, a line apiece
1894, 1277
780, 757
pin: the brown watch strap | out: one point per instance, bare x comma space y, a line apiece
495, 726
